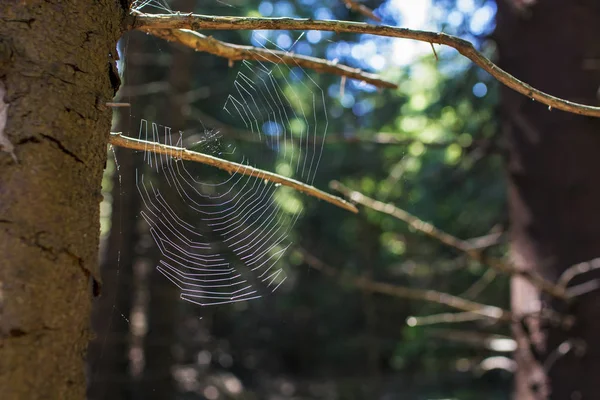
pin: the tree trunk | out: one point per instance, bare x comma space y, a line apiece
56, 75
554, 195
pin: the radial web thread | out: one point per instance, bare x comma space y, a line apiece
222, 236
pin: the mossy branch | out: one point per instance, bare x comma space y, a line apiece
150, 23
116, 139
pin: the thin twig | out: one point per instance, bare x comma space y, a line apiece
449, 240
404, 292
235, 52
576, 270
583, 288
486, 241
148, 23
117, 139
361, 9
118, 104
434, 52
480, 284
444, 318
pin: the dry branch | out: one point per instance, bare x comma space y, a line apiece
449, 240
234, 52
117, 139
404, 292
149, 23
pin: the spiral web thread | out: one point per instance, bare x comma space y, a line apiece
222, 237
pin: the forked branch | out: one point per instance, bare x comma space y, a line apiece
578, 269
235, 52
116, 139
449, 240
149, 23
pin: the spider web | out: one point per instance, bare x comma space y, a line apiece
222, 237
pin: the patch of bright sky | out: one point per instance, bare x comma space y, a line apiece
413, 14
376, 53
482, 20
260, 37
283, 39
422, 15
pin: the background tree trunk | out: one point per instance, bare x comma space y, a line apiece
164, 307
108, 358
56, 70
554, 195
109, 361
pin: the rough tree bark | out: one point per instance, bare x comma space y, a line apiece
554, 195
56, 71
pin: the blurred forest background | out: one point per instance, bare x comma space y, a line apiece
433, 147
